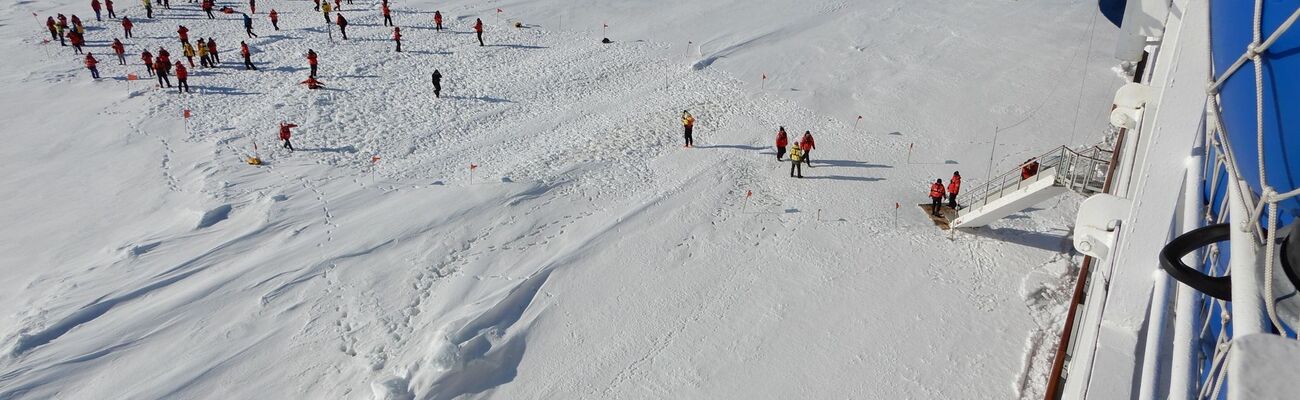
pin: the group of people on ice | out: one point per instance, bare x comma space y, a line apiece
71, 31
938, 192
800, 151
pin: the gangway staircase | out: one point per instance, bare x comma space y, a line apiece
1060, 171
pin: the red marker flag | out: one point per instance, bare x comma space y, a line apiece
859, 117
473, 166
132, 77
749, 193
374, 160
605, 25
895, 204
764, 76
499, 11
186, 113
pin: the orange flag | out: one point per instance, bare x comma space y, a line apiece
185, 113
374, 160
749, 193
473, 166
132, 77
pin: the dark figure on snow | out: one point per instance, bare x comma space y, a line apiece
205, 60
311, 61
147, 57
248, 26
183, 33
807, 145
54, 29
207, 7
796, 161
160, 67
437, 84
325, 10
91, 62
148, 9
248, 60
77, 40
62, 27
397, 37
388, 15
781, 141
212, 50
108, 6
284, 135
187, 50
275, 19
478, 30
936, 197
181, 74
120, 50
252, 6
126, 27
167, 4
94, 5
317, 3
343, 25
688, 128
437, 20
954, 186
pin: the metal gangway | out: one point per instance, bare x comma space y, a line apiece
1058, 171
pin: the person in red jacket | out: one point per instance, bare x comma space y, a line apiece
184, 33
275, 19
147, 57
108, 6
437, 20
781, 142
338, 5
94, 5
807, 144
248, 56
478, 30
936, 197
126, 27
312, 83
343, 25
212, 50
311, 61
954, 186
77, 25
207, 6
252, 6
160, 68
397, 37
165, 57
181, 75
284, 134
120, 50
54, 29
388, 15
91, 62
77, 40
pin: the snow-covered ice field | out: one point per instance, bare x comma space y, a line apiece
590, 255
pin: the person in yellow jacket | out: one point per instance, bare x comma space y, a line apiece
203, 54
325, 9
688, 125
148, 8
796, 161
188, 51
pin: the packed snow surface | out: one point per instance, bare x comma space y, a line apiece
588, 255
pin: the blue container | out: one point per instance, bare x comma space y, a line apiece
1231, 30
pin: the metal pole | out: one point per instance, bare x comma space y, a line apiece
1183, 371
992, 150
1247, 276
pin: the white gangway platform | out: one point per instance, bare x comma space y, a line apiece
1060, 171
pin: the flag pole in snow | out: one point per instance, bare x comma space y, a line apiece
763, 85
472, 167
992, 150
895, 214
185, 115
855, 124
374, 163
909, 152
745, 205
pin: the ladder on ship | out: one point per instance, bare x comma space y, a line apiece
1059, 171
